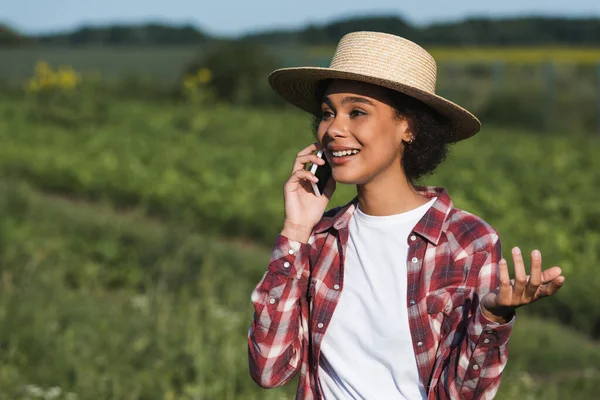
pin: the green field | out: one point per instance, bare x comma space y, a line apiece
112, 62
133, 234
166, 63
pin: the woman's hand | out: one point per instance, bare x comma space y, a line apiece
304, 209
500, 304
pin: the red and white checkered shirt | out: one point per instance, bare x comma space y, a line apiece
452, 262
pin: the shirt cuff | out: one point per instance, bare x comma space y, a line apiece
289, 257
488, 333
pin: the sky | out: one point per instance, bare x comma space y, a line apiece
235, 17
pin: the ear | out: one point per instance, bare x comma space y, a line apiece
405, 131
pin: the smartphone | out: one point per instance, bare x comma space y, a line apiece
323, 172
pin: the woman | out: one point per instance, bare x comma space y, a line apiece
396, 295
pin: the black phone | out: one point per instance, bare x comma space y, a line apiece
323, 172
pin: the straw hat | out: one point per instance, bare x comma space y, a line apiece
381, 59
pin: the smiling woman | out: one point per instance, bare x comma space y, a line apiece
432, 133
397, 294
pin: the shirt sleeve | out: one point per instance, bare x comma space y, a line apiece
275, 338
487, 341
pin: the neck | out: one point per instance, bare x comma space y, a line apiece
389, 194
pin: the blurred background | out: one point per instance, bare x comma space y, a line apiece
142, 158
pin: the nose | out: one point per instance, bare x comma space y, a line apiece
336, 129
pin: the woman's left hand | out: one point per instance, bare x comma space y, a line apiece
500, 304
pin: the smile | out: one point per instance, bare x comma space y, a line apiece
344, 153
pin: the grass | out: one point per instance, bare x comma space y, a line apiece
103, 304
220, 172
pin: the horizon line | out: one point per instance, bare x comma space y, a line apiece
291, 27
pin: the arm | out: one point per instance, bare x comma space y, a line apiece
487, 339
278, 336
275, 338
472, 370
500, 304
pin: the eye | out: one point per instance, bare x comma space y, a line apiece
325, 114
356, 113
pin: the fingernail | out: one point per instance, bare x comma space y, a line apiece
536, 254
516, 251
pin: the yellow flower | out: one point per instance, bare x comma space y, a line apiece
189, 83
204, 75
67, 78
42, 68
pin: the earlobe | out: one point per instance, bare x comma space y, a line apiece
407, 136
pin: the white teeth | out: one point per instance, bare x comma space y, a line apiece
343, 153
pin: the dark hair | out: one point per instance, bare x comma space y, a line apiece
432, 133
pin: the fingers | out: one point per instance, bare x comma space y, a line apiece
535, 279
549, 288
308, 149
520, 275
550, 274
302, 160
302, 175
529, 288
505, 290
305, 156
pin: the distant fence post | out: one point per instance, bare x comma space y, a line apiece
549, 94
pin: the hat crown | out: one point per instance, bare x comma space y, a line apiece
387, 57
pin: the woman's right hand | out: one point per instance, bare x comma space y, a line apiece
303, 208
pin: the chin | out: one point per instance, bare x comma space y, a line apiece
347, 177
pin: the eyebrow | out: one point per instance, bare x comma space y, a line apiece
349, 99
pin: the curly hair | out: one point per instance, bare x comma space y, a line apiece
432, 133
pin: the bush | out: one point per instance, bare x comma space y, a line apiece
238, 72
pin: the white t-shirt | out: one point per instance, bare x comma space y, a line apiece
367, 350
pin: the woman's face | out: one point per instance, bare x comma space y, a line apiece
360, 131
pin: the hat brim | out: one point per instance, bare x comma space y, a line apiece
299, 85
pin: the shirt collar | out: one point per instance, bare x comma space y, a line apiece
430, 226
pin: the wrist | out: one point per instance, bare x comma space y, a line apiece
296, 232
501, 315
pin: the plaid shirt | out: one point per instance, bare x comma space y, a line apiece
452, 262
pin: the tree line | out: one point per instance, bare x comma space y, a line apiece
471, 31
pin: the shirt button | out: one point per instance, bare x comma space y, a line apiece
420, 344
475, 367
286, 264
272, 301
415, 260
486, 341
291, 251
413, 238
320, 325
336, 286
412, 302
